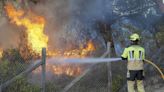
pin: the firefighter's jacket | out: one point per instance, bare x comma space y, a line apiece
135, 55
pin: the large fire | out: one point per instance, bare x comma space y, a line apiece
71, 70
34, 25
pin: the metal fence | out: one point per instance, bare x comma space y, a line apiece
96, 77
17, 75
13, 74
89, 81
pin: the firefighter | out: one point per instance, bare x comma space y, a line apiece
135, 55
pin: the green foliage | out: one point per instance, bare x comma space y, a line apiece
161, 28
4, 69
22, 85
117, 83
52, 87
160, 37
9, 69
160, 32
12, 55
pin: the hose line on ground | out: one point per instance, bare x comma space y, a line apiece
160, 71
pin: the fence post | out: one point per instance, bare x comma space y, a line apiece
66, 89
43, 88
0, 88
109, 69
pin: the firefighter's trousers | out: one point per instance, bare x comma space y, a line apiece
140, 86
138, 76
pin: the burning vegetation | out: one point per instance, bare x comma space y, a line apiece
34, 26
81, 52
1, 51
34, 39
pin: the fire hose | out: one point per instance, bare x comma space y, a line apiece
160, 71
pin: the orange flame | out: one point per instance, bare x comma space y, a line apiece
1, 52
34, 25
67, 69
73, 70
81, 52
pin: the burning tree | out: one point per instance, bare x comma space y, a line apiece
34, 39
34, 25
25, 51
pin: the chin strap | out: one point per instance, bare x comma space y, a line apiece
160, 71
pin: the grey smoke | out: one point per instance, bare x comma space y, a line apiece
74, 21
69, 22
9, 34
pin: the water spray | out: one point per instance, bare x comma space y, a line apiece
94, 60
82, 60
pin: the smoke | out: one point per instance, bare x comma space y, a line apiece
9, 34
92, 10
74, 22
68, 22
